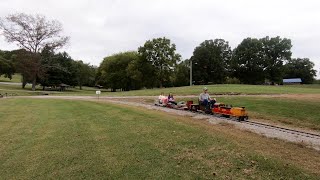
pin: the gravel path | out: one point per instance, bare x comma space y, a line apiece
11, 83
271, 133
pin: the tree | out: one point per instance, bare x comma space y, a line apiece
182, 73
142, 72
211, 60
276, 52
57, 69
113, 71
161, 54
7, 67
29, 65
300, 68
248, 61
33, 33
84, 73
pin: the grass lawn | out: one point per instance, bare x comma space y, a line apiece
295, 112
225, 89
213, 89
16, 90
300, 113
187, 90
56, 139
16, 78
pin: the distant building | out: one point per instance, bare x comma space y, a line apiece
63, 87
292, 81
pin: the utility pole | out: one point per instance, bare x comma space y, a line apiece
190, 72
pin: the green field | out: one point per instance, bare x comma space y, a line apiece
187, 90
41, 139
16, 78
293, 112
227, 89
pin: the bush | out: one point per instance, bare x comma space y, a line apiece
232, 80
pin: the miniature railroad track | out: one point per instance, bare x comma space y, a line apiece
282, 129
263, 125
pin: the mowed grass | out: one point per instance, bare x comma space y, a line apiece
300, 113
225, 89
293, 112
16, 78
219, 89
41, 139
186, 90
16, 90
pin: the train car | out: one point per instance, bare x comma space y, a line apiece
217, 109
220, 109
229, 111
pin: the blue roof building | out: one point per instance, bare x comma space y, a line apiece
293, 80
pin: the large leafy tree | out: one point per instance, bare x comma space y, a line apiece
248, 61
182, 73
141, 72
300, 68
211, 61
276, 52
162, 56
113, 71
84, 73
29, 65
7, 67
58, 69
32, 33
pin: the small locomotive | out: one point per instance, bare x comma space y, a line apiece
220, 109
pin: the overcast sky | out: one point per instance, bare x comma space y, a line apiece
99, 28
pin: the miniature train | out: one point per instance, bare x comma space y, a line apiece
217, 109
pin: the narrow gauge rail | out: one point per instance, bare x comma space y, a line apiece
283, 129
259, 124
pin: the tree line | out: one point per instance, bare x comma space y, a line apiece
253, 61
47, 69
154, 64
37, 61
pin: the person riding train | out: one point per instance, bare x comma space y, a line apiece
205, 100
162, 99
171, 99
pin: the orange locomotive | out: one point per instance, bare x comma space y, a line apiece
221, 109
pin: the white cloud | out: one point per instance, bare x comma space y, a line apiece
100, 28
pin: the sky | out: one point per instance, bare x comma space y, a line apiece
99, 28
